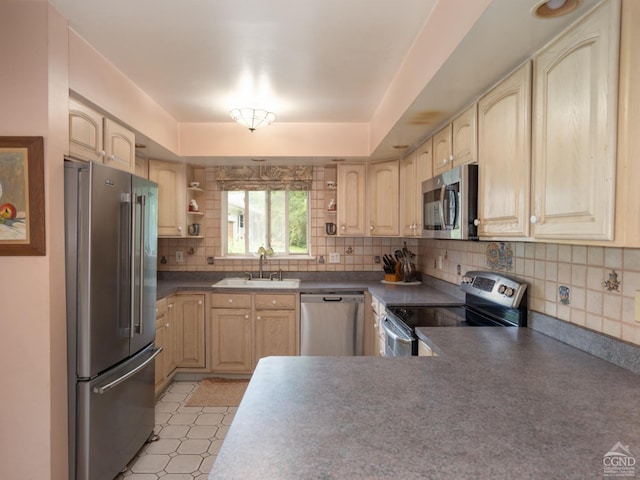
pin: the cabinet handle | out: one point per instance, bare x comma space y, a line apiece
102, 153
258, 317
274, 302
533, 219
476, 222
343, 227
246, 316
179, 228
112, 158
444, 161
230, 300
170, 305
199, 302
371, 227
167, 325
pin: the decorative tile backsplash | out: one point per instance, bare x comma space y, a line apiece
600, 282
589, 286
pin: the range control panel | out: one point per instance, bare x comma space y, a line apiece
494, 287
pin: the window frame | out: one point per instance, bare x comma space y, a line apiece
247, 221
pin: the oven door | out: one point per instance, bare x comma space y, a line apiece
397, 342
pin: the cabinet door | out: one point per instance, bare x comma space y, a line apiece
574, 133
161, 342
171, 338
190, 326
442, 152
352, 184
172, 208
119, 146
464, 134
504, 146
85, 132
408, 194
383, 198
275, 333
424, 171
231, 341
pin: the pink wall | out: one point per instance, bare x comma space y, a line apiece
447, 25
93, 77
33, 418
280, 139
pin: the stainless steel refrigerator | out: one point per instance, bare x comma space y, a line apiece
111, 252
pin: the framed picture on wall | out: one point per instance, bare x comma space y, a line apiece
22, 221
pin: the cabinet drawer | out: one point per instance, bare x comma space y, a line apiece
231, 300
266, 302
161, 307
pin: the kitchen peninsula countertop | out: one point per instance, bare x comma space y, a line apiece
498, 403
389, 294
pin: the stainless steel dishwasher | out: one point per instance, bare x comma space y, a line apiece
332, 324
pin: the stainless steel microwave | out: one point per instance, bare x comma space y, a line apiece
450, 204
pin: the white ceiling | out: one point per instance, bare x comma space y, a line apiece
305, 60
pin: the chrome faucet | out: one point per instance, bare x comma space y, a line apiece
248, 274
263, 258
276, 274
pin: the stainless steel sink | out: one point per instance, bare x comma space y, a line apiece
257, 283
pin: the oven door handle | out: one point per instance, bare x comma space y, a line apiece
392, 334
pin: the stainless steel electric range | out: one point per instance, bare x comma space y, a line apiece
491, 300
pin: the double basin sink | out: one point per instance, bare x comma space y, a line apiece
257, 283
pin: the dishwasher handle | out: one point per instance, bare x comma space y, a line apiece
331, 297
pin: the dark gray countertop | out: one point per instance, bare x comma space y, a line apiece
497, 403
388, 294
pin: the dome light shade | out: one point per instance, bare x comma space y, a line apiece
252, 118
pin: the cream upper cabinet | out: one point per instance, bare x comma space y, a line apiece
172, 208
504, 153
96, 138
464, 137
352, 208
414, 169
119, 146
442, 151
85, 132
574, 130
383, 190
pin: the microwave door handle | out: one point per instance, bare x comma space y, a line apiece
456, 207
448, 197
443, 210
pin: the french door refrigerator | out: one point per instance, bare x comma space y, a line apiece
111, 253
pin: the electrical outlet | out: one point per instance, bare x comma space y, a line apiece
179, 256
376, 259
637, 308
334, 258
440, 262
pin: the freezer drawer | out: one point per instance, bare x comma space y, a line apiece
115, 416
331, 324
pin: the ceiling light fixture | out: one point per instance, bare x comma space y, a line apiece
554, 8
252, 118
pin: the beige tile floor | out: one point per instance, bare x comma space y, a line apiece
189, 439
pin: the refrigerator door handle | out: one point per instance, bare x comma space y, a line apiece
132, 253
142, 200
129, 374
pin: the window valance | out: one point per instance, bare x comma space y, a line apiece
297, 178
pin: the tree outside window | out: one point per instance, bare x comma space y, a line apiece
278, 219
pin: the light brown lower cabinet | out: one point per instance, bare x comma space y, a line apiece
248, 327
180, 331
